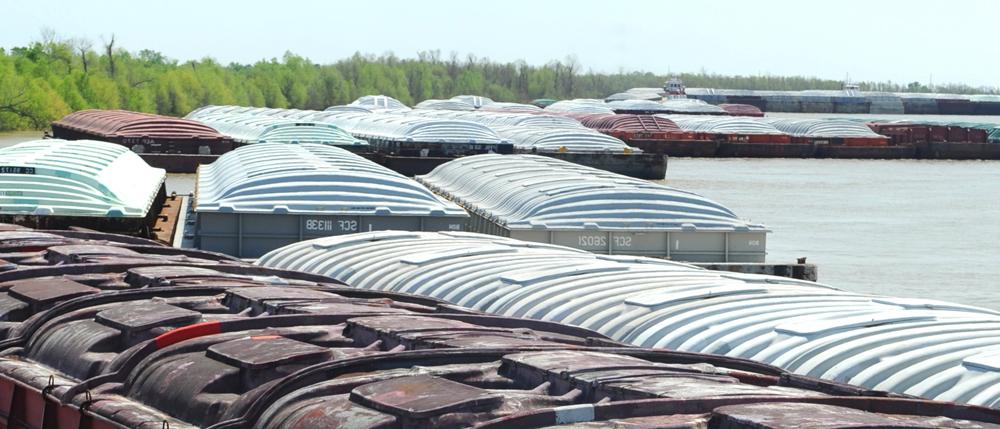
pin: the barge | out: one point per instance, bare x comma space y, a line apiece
537, 199
921, 347
143, 133
115, 342
55, 184
267, 195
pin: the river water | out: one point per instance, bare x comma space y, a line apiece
909, 228
927, 229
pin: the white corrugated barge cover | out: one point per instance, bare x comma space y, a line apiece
830, 128
212, 109
453, 104
692, 105
349, 108
380, 102
414, 128
260, 197
580, 106
476, 101
503, 106
491, 119
543, 199
646, 90
723, 125
634, 105
311, 179
920, 347
265, 127
572, 140
56, 177
618, 96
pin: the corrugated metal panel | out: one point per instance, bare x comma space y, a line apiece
414, 128
125, 124
625, 122
572, 140
549, 200
349, 108
579, 106
638, 106
828, 128
254, 128
311, 179
502, 106
76, 178
691, 106
634, 95
921, 347
445, 105
307, 191
543, 102
379, 102
476, 101
143, 132
742, 110
538, 132
722, 125
646, 90
488, 118
209, 109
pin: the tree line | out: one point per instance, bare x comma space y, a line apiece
42, 82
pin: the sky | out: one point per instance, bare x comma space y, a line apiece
874, 40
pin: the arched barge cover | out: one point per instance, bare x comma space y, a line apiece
380, 102
571, 140
79, 178
508, 119
549, 200
142, 132
742, 110
456, 105
279, 194
724, 125
823, 128
691, 106
579, 106
476, 101
918, 347
250, 128
639, 106
417, 134
503, 106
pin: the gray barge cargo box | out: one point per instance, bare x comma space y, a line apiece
265, 196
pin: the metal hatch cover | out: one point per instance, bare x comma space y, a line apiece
261, 352
422, 396
47, 290
138, 317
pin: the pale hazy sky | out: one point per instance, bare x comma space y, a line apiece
954, 41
